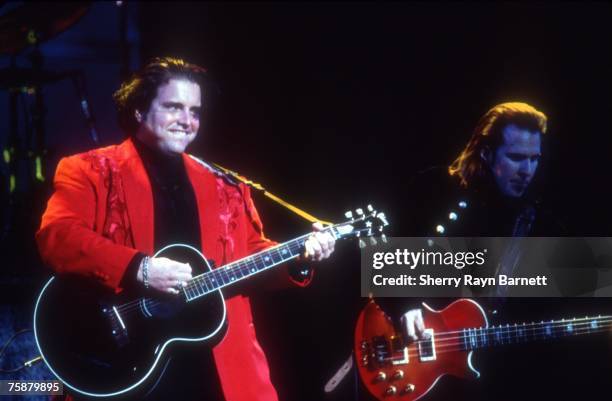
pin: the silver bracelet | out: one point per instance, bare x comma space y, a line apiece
145, 271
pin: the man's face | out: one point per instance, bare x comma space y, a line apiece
516, 160
173, 119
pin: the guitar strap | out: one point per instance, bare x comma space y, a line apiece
346, 367
258, 187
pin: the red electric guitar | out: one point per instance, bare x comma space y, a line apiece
393, 369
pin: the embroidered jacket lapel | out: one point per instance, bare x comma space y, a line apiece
138, 196
205, 188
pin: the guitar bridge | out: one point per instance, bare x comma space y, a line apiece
117, 326
382, 351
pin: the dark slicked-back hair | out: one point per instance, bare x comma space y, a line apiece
469, 165
138, 92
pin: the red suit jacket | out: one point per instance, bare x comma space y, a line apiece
101, 214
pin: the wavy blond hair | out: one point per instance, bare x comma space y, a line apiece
488, 133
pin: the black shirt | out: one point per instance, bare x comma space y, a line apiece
191, 373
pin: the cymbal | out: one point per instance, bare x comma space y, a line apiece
33, 23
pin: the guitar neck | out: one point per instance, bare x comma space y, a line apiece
364, 225
246, 267
526, 332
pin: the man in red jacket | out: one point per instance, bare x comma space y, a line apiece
112, 207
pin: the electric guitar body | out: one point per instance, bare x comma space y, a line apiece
392, 368
101, 349
105, 345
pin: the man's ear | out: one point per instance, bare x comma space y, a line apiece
487, 155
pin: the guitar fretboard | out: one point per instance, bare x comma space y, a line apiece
246, 267
519, 333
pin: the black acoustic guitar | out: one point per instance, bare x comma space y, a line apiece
102, 344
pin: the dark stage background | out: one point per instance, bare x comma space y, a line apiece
334, 106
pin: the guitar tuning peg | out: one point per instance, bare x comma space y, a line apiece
370, 208
373, 241
362, 243
359, 212
348, 215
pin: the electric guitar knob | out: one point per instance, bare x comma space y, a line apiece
391, 390
381, 376
409, 388
399, 374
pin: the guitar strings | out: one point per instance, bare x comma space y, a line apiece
442, 345
553, 324
459, 346
151, 304
539, 333
533, 323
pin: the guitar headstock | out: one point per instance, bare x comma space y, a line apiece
362, 224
